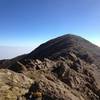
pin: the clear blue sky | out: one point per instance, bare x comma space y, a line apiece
31, 22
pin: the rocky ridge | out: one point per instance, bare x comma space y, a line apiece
64, 68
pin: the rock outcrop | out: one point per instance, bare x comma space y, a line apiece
13, 85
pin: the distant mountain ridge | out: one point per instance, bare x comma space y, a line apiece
59, 44
62, 45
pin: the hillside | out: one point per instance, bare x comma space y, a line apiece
64, 68
61, 46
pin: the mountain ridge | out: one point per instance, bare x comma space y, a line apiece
62, 45
63, 68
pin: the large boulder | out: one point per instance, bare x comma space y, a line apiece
13, 85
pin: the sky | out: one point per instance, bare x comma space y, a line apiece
28, 23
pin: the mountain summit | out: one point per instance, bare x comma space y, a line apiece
64, 68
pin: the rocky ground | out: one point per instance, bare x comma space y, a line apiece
64, 68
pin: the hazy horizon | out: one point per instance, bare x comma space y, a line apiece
8, 52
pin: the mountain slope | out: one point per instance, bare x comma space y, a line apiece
64, 68
61, 46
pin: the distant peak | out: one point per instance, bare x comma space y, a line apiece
69, 35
